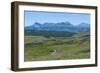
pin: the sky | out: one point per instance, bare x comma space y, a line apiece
30, 17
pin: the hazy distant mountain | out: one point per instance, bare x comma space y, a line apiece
56, 29
49, 29
85, 25
62, 26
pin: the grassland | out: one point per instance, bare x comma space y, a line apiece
38, 48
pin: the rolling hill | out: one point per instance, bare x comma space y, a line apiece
39, 48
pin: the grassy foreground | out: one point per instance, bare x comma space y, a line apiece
38, 48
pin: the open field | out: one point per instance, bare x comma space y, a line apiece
38, 48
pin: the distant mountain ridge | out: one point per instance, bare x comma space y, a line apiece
83, 25
61, 26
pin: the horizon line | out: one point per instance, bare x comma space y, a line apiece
59, 22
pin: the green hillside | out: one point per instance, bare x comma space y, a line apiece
38, 48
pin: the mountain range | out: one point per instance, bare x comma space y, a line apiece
62, 26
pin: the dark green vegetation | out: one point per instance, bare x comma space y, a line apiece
49, 33
38, 48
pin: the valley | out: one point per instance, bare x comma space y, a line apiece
39, 48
